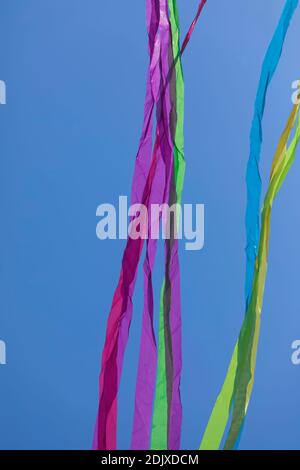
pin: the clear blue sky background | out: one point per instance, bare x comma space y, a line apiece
75, 73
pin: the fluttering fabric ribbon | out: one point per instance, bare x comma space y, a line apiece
147, 359
171, 286
167, 416
249, 336
253, 175
253, 178
146, 177
143, 181
121, 310
192, 27
164, 150
242, 366
222, 410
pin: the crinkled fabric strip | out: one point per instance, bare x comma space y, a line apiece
144, 189
253, 176
166, 427
148, 354
249, 336
121, 310
167, 418
228, 402
242, 367
164, 148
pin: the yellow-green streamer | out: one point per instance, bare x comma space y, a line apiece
240, 375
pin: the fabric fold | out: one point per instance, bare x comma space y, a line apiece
121, 310
240, 376
226, 400
167, 418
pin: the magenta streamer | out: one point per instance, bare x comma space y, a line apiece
151, 184
121, 310
159, 195
148, 351
192, 27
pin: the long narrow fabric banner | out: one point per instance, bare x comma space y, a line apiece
147, 359
222, 410
167, 408
151, 182
249, 336
121, 309
166, 426
242, 367
253, 178
148, 354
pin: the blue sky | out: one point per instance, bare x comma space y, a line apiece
75, 74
